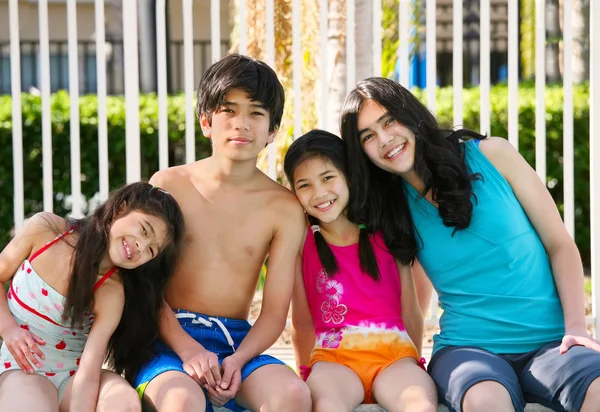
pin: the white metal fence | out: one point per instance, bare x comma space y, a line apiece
132, 70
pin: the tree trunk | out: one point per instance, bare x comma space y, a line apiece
336, 63
364, 38
581, 40
553, 36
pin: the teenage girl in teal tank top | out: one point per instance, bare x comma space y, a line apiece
475, 216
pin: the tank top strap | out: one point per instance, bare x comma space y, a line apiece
51, 243
103, 278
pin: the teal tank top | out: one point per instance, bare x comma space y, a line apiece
494, 279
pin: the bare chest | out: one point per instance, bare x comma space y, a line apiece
236, 232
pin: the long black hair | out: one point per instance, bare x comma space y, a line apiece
131, 345
439, 162
322, 144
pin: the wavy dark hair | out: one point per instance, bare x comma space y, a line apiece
241, 72
131, 345
322, 144
439, 162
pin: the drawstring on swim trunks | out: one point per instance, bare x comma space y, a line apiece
208, 323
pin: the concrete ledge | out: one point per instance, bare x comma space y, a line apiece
531, 407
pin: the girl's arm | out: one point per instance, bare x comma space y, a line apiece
423, 287
411, 311
303, 329
109, 301
541, 210
17, 340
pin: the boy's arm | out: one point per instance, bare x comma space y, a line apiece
279, 283
303, 329
411, 312
201, 364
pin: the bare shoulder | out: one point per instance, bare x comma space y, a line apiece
502, 154
283, 200
171, 177
497, 148
45, 223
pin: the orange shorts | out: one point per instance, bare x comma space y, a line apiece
366, 356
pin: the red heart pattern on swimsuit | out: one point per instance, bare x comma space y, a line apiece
61, 345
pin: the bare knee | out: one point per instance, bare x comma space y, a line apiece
294, 397
416, 399
325, 404
179, 399
592, 397
127, 400
479, 396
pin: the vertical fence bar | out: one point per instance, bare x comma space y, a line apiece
46, 111
568, 153
132, 91
350, 45
161, 77
297, 66
270, 46
513, 72
595, 158
243, 15
484, 63
101, 91
17, 122
457, 60
540, 86
188, 61
377, 47
323, 28
404, 43
215, 29
76, 209
431, 52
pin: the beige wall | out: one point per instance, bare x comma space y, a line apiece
201, 20
57, 19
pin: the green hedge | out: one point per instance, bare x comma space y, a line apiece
32, 144
31, 106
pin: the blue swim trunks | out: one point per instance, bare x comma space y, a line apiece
218, 335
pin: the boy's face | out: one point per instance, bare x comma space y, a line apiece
240, 128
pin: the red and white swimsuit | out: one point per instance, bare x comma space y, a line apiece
37, 307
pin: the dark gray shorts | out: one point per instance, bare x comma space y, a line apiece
542, 376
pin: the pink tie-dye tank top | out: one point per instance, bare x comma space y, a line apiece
352, 310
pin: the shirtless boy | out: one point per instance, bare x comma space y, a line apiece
235, 217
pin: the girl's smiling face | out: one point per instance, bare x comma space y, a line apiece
321, 189
135, 238
387, 143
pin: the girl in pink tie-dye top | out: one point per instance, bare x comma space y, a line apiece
357, 324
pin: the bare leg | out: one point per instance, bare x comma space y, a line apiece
335, 388
404, 386
115, 395
477, 398
591, 403
274, 388
175, 392
24, 392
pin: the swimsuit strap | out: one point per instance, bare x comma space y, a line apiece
43, 249
103, 278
